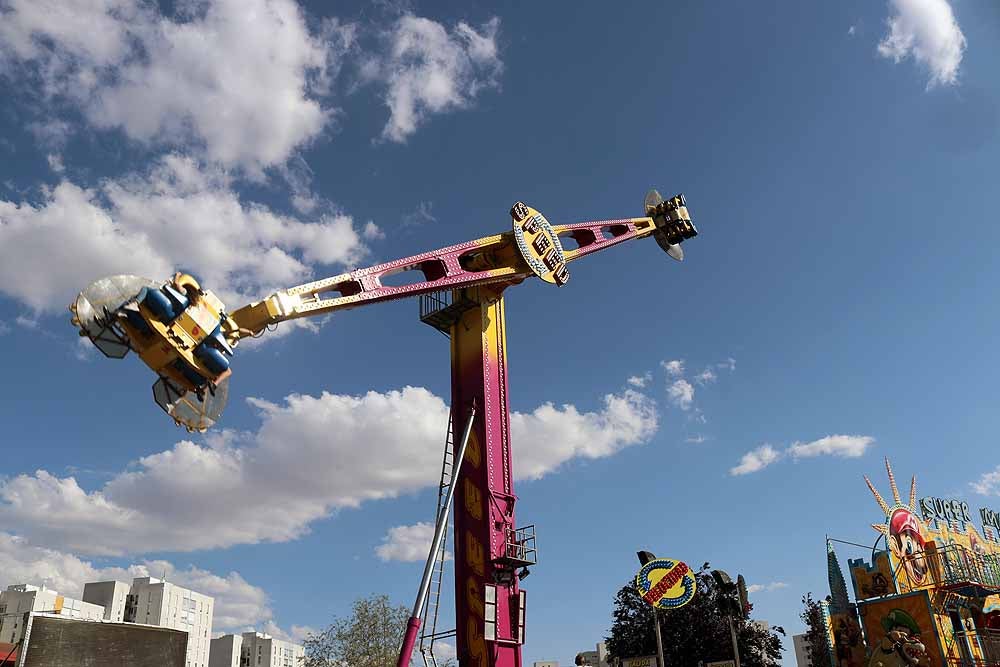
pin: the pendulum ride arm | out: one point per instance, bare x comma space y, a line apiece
503, 258
491, 554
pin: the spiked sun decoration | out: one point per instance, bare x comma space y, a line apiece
902, 528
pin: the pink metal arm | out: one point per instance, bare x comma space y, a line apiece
492, 259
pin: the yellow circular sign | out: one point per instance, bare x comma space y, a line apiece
539, 244
666, 583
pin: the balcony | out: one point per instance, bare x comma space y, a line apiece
961, 570
441, 309
520, 549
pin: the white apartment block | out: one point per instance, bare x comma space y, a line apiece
20, 599
598, 658
112, 595
226, 651
801, 643
155, 602
255, 649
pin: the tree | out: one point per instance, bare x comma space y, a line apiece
816, 631
370, 637
696, 631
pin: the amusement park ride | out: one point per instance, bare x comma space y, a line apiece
184, 333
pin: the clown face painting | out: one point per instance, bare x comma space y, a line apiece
903, 531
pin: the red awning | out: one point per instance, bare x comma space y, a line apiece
4, 650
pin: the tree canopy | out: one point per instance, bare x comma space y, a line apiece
370, 637
816, 633
695, 632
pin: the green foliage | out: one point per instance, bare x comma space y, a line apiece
696, 631
370, 637
816, 632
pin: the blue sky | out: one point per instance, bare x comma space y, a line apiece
836, 158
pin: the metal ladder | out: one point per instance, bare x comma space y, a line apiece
429, 633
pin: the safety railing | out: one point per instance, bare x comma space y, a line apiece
952, 566
521, 549
989, 642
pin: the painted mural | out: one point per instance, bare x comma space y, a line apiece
929, 598
848, 642
900, 629
930, 545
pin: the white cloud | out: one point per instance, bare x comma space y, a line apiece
549, 436
241, 78
852, 30
421, 215
674, 368
845, 446
55, 163
766, 588
431, 70
84, 349
927, 31
311, 456
372, 232
296, 634
680, 391
152, 224
238, 604
707, 376
696, 439
681, 394
988, 484
407, 544
4, 328
445, 651
842, 446
756, 459
640, 381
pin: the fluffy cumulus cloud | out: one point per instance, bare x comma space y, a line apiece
766, 588
844, 446
238, 604
988, 484
311, 456
927, 31
407, 544
429, 69
674, 367
550, 435
681, 393
841, 446
756, 459
178, 215
243, 79
640, 381
707, 376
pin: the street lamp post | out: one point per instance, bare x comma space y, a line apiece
733, 598
736, 646
645, 557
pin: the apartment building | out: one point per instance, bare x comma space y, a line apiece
112, 595
255, 649
20, 599
155, 602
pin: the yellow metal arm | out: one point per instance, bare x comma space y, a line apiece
533, 248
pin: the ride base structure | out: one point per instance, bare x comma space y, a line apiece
185, 335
